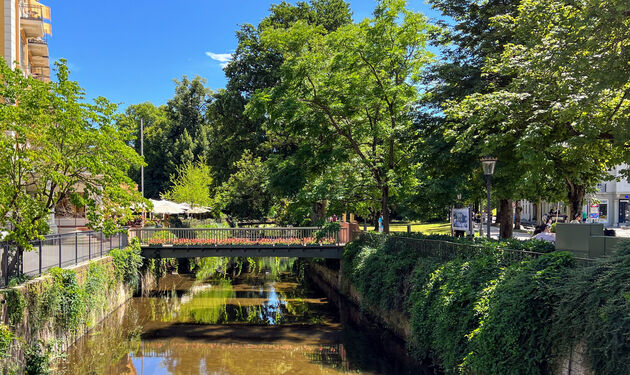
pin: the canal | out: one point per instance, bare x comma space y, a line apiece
265, 322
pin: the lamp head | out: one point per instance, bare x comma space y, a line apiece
488, 163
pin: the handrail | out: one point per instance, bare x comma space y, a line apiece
233, 236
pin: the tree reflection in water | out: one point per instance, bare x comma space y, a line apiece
261, 322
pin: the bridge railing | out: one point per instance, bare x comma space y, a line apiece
235, 236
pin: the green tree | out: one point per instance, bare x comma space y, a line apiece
54, 146
244, 195
564, 115
358, 83
191, 184
156, 145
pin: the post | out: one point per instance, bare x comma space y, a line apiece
488, 212
408, 228
142, 166
89, 246
59, 251
76, 248
5, 246
40, 257
100, 239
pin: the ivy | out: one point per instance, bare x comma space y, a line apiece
15, 305
6, 339
127, 264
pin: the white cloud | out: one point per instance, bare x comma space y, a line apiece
222, 58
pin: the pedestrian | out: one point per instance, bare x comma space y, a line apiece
334, 218
577, 220
380, 224
545, 234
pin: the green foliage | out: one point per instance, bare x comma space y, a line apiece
330, 229
191, 184
444, 312
6, 340
69, 307
15, 305
594, 310
516, 310
350, 89
473, 313
97, 282
244, 196
37, 359
94, 155
127, 264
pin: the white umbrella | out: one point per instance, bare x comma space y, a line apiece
167, 207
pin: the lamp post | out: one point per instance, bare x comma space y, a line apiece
488, 163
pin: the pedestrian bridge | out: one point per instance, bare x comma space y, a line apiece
294, 242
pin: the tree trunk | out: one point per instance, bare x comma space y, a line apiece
517, 215
505, 218
385, 207
576, 195
319, 212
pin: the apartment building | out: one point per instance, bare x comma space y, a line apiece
25, 26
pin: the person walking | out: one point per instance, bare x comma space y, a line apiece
380, 224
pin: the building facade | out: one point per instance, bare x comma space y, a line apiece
25, 26
609, 204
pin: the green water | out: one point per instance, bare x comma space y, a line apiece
258, 323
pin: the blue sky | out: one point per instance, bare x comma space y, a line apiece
130, 51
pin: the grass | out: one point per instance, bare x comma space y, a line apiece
432, 228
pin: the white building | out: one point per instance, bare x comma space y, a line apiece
610, 205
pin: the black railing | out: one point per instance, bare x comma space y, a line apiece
60, 250
447, 250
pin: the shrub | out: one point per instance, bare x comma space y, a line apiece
514, 334
443, 313
127, 264
594, 309
6, 339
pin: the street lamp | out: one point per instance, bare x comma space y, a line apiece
488, 163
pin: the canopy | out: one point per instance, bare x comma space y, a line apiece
162, 207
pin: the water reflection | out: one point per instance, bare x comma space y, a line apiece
265, 324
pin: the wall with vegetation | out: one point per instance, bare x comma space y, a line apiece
480, 314
41, 318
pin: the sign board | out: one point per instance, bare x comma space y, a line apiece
461, 220
594, 211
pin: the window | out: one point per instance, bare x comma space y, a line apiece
603, 210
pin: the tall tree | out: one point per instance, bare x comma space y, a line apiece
191, 184
54, 146
357, 82
567, 105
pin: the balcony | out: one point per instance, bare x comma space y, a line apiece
38, 46
32, 18
40, 73
40, 62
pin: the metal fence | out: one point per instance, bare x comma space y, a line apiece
446, 250
60, 250
173, 236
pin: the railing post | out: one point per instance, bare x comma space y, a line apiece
101, 241
76, 248
40, 257
59, 239
6, 263
408, 228
89, 245
110, 243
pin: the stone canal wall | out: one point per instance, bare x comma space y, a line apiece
41, 318
575, 363
394, 321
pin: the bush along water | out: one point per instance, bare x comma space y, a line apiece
59, 303
479, 314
